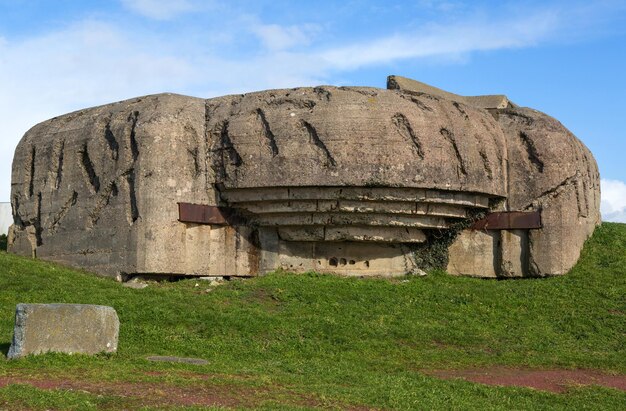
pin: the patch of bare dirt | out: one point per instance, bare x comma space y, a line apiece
146, 393
557, 381
200, 392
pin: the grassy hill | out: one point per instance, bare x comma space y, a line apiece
287, 341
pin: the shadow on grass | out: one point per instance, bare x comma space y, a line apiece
4, 348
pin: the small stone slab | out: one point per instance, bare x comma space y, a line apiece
64, 328
160, 358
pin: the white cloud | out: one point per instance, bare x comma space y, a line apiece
613, 203
159, 9
437, 40
275, 37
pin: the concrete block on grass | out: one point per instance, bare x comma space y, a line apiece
64, 328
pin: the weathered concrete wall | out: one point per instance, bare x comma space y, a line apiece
354, 137
329, 179
550, 171
98, 188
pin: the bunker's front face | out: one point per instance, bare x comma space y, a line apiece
359, 181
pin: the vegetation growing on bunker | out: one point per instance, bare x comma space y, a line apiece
433, 253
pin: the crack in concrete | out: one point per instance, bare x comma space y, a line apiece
553, 191
450, 137
533, 154
404, 128
315, 139
267, 132
111, 141
63, 212
93, 181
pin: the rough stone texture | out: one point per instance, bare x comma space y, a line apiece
98, 188
65, 328
354, 137
548, 169
324, 177
514, 257
474, 252
410, 85
552, 171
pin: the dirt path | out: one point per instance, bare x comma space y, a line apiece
199, 392
546, 380
202, 391
145, 393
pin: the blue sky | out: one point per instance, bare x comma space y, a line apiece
566, 58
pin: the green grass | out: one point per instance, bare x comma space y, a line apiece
321, 340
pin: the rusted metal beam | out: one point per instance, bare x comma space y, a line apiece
509, 220
206, 214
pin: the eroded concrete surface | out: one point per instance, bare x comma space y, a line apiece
333, 179
65, 328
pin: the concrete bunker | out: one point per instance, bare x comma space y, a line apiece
352, 180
